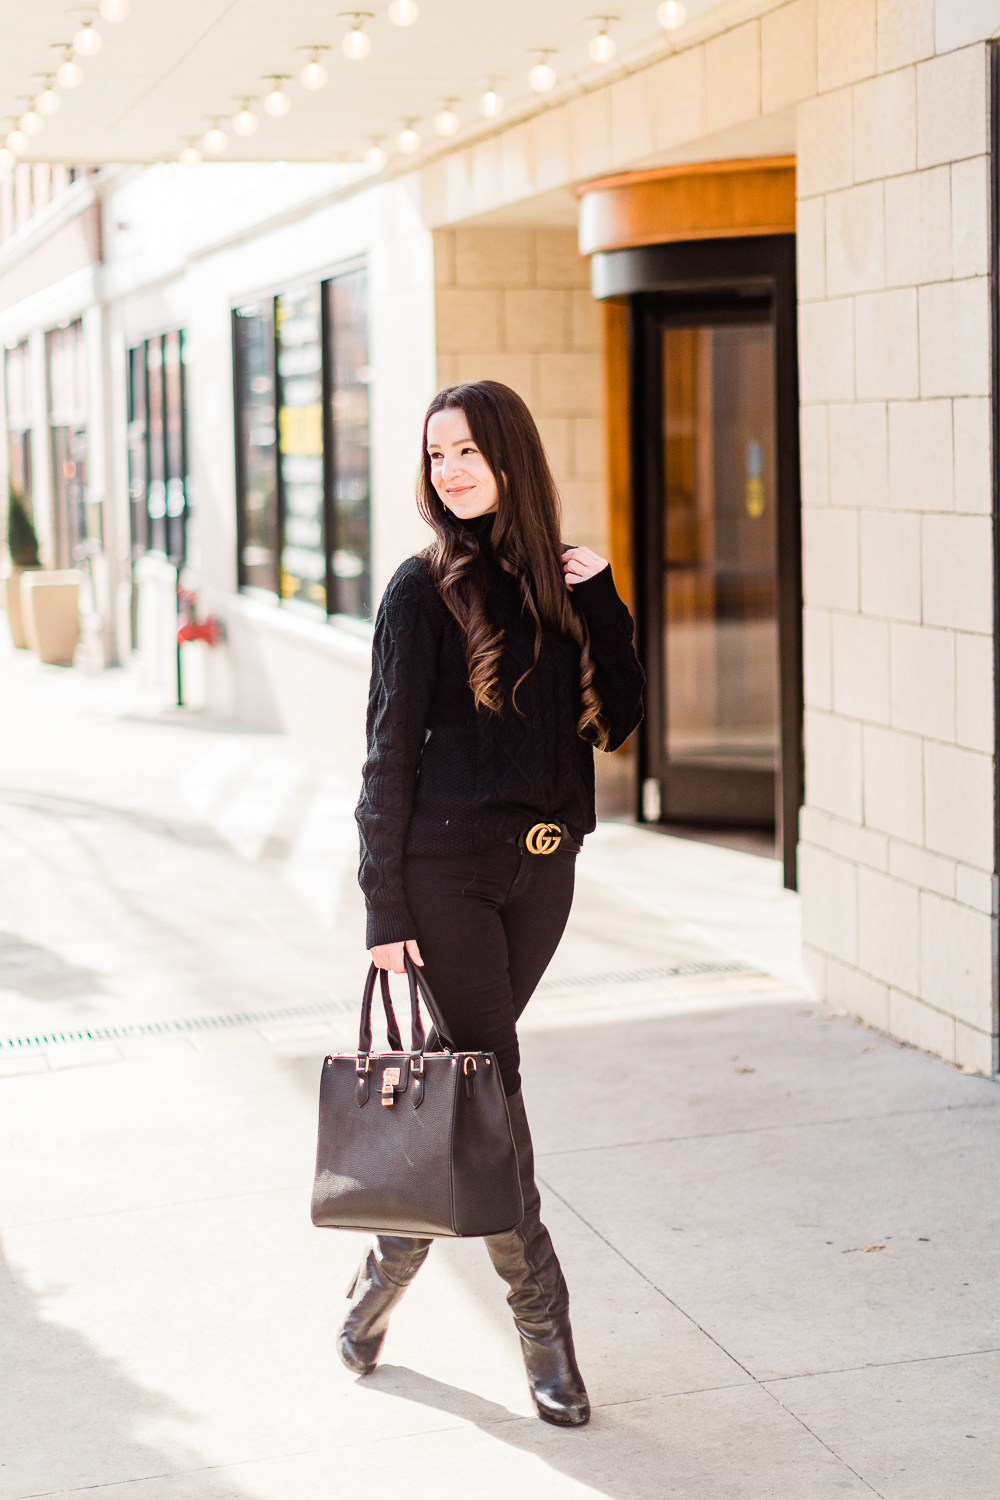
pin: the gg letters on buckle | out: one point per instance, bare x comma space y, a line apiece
544, 838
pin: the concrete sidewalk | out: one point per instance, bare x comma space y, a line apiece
779, 1229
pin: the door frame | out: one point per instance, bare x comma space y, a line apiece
748, 265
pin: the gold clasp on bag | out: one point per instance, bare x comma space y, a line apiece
544, 838
390, 1080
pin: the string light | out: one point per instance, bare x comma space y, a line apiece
542, 77
245, 122
190, 156
602, 48
31, 121
313, 75
375, 156
491, 104
16, 141
447, 122
114, 10
277, 102
357, 43
215, 139
48, 100
408, 140
403, 12
87, 42
671, 15
69, 74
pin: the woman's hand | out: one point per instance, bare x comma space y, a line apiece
390, 955
579, 564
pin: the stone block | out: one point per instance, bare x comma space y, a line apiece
918, 241
886, 345
788, 55
825, 159
587, 318
958, 803
973, 1049
826, 350
952, 115
447, 370
894, 783
814, 449
955, 944
590, 134
557, 437
859, 455
855, 240
970, 217
922, 669
957, 572
974, 726
817, 653
517, 164
633, 119
830, 558
888, 921
468, 322
444, 257
536, 320
810, 248
484, 175
570, 385
584, 514
847, 42
971, 419
814, 827
829, 889
885, 126
519, 371
974, 888
861, 846
679, 98
833, 765
920, 455
890, 565
849, 990
861, 668
955, 338
814, 966
732, 76
494, 257
921, 1025
552, 149
558, 262
587, 435
905, 32
929, 872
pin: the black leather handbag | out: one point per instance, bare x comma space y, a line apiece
413, 1143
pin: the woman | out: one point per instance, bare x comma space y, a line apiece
501, 659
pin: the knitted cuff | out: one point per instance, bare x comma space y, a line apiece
389, 924
599, 600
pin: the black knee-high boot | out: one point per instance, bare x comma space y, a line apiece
382, 1278
538, 1296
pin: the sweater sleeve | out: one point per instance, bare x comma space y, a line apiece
618, 675
404, 673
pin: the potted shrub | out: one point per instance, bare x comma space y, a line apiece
22, 543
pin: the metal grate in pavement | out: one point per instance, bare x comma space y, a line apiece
231, 1020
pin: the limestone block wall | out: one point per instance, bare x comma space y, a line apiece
514, 305
897, 832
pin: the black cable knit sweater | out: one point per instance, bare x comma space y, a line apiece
443, 777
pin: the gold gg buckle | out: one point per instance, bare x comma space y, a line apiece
544, 838
390, 1079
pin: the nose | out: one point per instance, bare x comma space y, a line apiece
450, 466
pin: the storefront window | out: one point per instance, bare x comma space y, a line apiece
158, 484
299, 326
76, 526
18, 380
256, 445
348, 357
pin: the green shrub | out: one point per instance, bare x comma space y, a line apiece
21, 539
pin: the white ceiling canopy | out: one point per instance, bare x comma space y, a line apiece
170, 68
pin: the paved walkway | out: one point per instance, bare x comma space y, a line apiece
779, 1229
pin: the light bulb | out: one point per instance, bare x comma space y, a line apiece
48, 100
245, 122
313, 75
114, 10
30, 122
69, 74
408, 141
87, 42
602, 47
375, 156
16, 141
403, 12
215, 140
491, 104
671, 14
542, 78
190, 156
277, 102
447, 122
7, 159
356, 44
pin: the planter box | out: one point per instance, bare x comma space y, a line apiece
50, 613
12, 586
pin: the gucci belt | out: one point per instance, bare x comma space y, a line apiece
546, 838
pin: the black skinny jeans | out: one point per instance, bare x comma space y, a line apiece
487, 924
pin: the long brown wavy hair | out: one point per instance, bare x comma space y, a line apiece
526, 541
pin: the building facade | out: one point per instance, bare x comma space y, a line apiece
747, 287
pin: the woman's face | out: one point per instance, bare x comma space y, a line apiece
459, 472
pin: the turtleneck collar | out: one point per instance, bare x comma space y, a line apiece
480, 527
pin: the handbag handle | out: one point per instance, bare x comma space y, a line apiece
417, 1038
